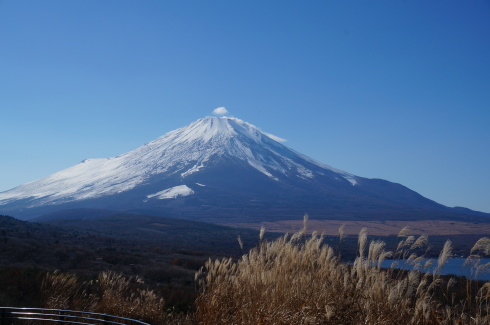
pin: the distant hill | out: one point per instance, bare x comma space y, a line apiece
127, 244
171, 233
160, 249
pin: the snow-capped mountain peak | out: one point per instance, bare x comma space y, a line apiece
209, 128
217, 169
182, 152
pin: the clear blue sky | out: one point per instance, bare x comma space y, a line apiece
398, 90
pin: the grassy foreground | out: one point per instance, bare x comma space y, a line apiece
296, 279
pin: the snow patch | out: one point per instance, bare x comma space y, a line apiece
192, 170
305, 172
172, 193
351, 179
274, 137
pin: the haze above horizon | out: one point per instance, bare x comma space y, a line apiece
398, 90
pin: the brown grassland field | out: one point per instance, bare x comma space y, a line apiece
376, 227
297, 279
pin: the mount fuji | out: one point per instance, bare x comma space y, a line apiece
221, 169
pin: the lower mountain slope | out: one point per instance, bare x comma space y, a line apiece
230, 192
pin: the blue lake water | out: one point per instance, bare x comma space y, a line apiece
453, 266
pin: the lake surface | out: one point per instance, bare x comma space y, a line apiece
453, 266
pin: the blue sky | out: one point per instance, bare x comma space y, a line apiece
398, 90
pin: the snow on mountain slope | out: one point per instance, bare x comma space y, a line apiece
172, 193
181, 152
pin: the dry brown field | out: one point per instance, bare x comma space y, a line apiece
376, 228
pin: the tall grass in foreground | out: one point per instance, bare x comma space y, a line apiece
111, 293
299, 280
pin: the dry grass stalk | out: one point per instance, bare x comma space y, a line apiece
60, 290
